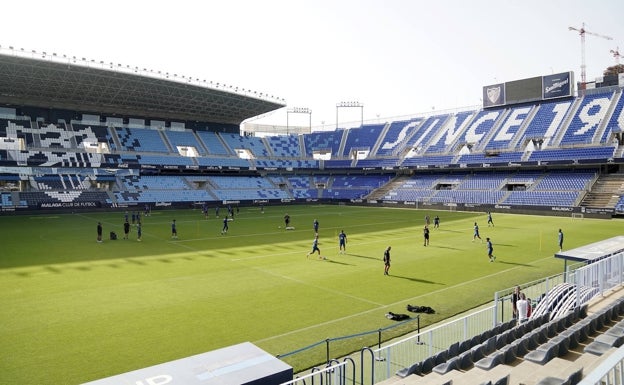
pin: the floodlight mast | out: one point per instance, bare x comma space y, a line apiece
582, 31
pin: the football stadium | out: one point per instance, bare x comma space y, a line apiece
148, 240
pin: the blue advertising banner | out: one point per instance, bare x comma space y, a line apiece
557, 85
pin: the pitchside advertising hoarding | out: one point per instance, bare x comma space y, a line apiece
529, 90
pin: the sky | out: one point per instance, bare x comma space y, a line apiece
395, 57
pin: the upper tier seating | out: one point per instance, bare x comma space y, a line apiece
185, 139
364, 137
508, 130
616, 123
547, 120
284, 146
251, 143
397, 135
140, 140
587, 119
427, 130
93, 133
448, 134
213, 143
328, 140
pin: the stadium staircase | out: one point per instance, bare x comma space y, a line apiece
603, 124
167, 143
383, 191
483, 143
113, 134
563, 127
605, 192
380, 140
520, 136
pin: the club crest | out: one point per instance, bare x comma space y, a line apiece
493, 94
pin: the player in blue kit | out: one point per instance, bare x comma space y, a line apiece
315, 248
490, 250
476, 233
342, 242
225, 228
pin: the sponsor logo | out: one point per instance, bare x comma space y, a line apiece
506, 207
286, 200
407, 203
567, 209
372, 201
357, 200
162, 204
391, 202
557, 85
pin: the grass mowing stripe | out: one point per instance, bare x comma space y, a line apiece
76, 310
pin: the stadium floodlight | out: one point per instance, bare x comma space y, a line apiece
353, 104
299, 110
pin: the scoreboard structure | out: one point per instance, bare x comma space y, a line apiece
529, 90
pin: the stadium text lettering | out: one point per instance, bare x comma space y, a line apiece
68, 204
557, 85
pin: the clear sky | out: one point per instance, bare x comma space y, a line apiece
396, 57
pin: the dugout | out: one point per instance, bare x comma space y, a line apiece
592, 252
242, 364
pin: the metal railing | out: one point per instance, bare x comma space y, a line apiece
381, 363
610, 371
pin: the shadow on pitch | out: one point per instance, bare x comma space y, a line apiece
362, 256
444, 247
336, 262
512, 263
414, 279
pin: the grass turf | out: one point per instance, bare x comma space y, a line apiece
75, 310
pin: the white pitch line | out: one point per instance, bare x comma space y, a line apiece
391, 304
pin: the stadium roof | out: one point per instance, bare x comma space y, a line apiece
49, 82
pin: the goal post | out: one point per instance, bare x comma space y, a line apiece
577, 216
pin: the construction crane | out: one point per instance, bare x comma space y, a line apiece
616, 55
582, 32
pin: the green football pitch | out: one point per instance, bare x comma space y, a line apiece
74, 310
